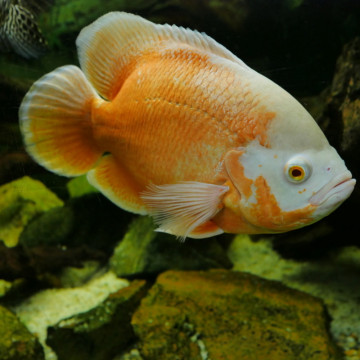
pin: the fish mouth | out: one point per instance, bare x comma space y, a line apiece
337, 190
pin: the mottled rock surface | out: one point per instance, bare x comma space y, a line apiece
100, 333
16, 342
227, 315
86, 220
343, 102
333, 279
49, 307
80, 186
144, 251
21, 201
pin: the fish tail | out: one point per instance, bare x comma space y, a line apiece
55, 121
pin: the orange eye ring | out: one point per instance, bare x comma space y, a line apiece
296, 173
297, 169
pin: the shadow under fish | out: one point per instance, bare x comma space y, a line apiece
19, 31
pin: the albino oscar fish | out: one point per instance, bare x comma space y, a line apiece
167, 122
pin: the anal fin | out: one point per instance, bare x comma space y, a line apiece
184, 209
114, 181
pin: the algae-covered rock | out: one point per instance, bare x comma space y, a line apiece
100, 333
48, 307
142, 250
16, 342
77, 276
21, 201
341, 117
86, 220
222, 314
133, 354
80, 186
334, 279
5, 286
344, 102
9, 288
84, 229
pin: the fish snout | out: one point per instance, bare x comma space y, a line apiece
333, 193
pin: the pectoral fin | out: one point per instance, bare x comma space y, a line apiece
185, 209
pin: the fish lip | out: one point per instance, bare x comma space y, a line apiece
343, 183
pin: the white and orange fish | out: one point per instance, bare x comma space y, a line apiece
165, 121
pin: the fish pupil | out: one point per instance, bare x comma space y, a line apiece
296, 173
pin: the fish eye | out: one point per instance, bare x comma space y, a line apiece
296, 173
297, 169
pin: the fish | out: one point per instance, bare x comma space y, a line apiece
19, 31
165, 121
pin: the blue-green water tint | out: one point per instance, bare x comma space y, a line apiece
296, 43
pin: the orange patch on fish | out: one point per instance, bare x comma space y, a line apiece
269, 215
236, 173
230, 218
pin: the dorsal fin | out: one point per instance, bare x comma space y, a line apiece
113, 41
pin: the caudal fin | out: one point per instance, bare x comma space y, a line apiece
55, 121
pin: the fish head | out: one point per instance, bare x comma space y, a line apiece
281, 189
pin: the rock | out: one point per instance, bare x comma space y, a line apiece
144, 251
334, 279
79, 186
16, 342
77, 276
341, 123
48, 307
84, 229
5, 287
102, 332
133, 354
88, 220
12, 289
228, 315
341, 116
20, 202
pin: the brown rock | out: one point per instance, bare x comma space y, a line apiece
340, 120
100, 333
229, 315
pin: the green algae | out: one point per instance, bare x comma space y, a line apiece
20, 202
79, 186
16, 342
